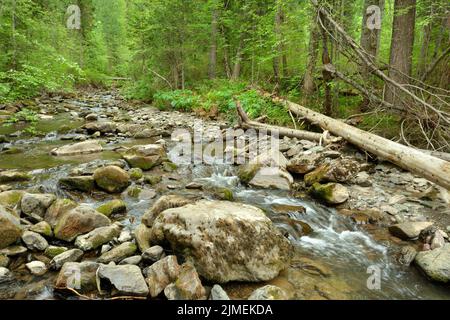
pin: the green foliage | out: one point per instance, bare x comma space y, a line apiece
183, 100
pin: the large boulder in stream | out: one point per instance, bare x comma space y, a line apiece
225, 241
10, 230
85, 147
78, 221
435, 263
13, 176
145, 157
112, 179
331, 193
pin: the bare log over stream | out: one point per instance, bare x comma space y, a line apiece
425, 165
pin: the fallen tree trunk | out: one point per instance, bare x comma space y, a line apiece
246, 123
427, 166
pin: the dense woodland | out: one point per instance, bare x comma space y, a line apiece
199, 55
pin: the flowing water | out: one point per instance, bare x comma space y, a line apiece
336, 242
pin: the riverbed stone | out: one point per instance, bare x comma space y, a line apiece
153, 254
43, 228
13, 176
142, 234
268, 292
103, 127
187, 286
53, 251
409, 230
73, 255
112, 179
11, 198
163, 203
36, 205
13, 251
145, 157
78, 183
85, 147
57, 210
218, 294
113, 207
435, 263
10, 229
80, 276
407, 255
304, 163
272, 178
161, 274
98, 237
126, 279
331, 193
5, 275
36, 268
118, 253
134, 260
211, 233
78, 221
4, 261
338, 170
34, 241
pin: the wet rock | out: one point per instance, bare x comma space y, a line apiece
13, 176
113, 207
53, 251
125, 236
102, 127
438, 241
194, 186
143, 234
118, 253
407, 255
435, 263
112, 179
80, 183
85, 147
201, 230
37, 268
11, 198
10, 229
78, 221
272, 178
331, 193
163, 203
43, 228
36, 205
152, 180
4, 261
268, 292
145, 157
218, 294
408, 230
34, 241
187, 286
91, 117
127, 280
363, 179
161, 274
78, 276
134, 260
153, 254
146, 134
57, 210
136, 174
98, 237
73, 255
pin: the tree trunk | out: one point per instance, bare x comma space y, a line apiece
370, 39
401, 47
327, 76
280, 60
13, 35
213, 50
308, 82
237, 64
427, 166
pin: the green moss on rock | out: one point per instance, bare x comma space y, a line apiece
113, 207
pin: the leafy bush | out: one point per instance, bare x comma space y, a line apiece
183, 100
25, 115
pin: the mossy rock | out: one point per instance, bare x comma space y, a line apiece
43, 228
113, 207
331, 193
247, 172
11, 198
136, 174
134, 192
81, 183
112, 179
224, 194
13, 150
152, 180
53, 251
14, 176
316, 176
169, 166
4, 261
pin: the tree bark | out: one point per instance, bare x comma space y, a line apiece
213, 49
427, 166
308, 82
401, 47
370, 41
327, 76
